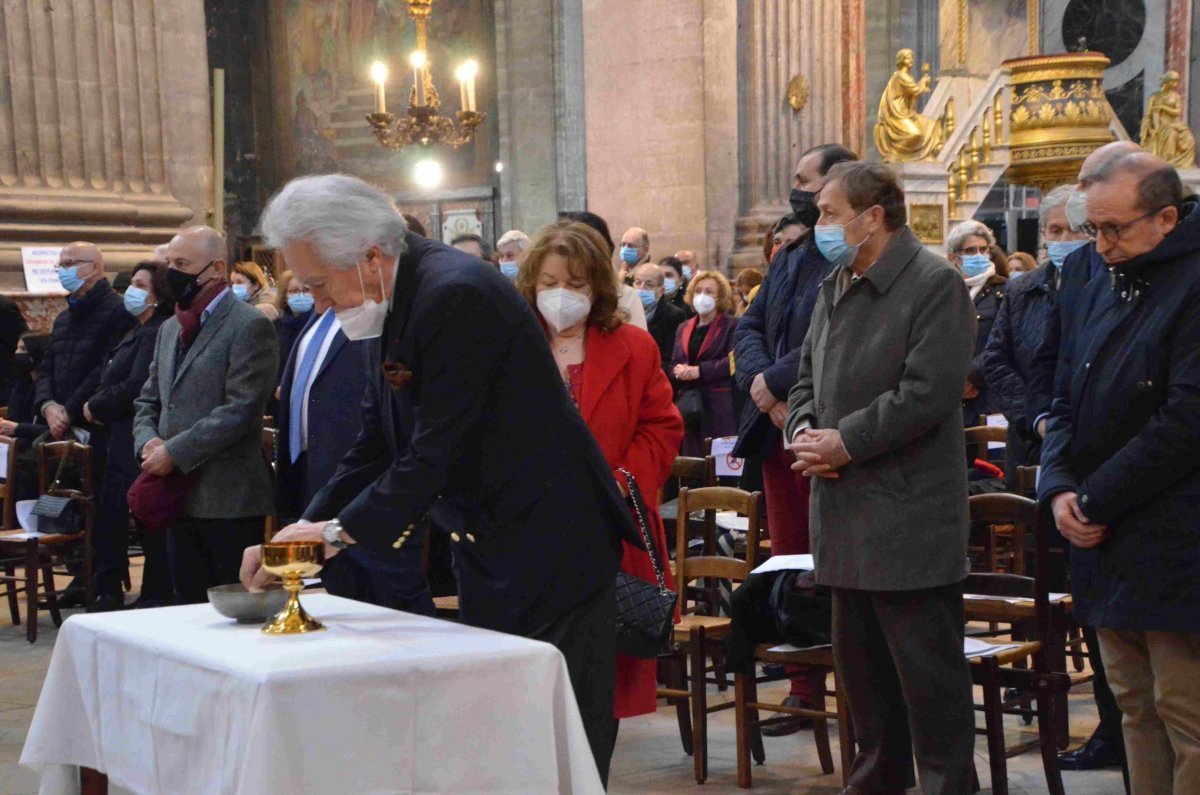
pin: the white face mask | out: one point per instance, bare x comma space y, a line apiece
366, 321
703, 304
563, 308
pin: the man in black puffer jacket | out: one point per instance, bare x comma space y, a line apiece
93, 323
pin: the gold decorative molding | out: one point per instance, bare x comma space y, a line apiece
962, 32
797, 93
927, 223
1033, 12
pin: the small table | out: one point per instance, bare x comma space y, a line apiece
182, 700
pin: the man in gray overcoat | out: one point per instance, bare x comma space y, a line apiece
874, 419
200, 416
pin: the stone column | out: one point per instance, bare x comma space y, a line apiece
780, 40
104, 126
1179, 44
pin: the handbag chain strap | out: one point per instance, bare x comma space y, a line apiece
62, 463
639, 510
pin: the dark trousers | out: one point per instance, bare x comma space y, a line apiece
587, 638
207, 552
110, 537
899, 659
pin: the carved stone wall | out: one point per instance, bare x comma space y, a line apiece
104, 126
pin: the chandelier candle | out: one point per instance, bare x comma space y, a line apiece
379, 74
417, 59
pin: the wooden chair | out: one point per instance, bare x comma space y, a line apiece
8, 489
691, 472
1001, 547
695, 629
39, 553
1044, 680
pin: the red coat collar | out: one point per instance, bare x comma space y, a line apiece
605, 357
715, 331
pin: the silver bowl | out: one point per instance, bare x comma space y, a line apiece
234, 601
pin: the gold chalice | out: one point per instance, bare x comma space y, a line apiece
292, 561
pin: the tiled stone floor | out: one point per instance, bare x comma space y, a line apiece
648, 759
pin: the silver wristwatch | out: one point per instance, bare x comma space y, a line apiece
332, 534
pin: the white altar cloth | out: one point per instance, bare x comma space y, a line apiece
182, 700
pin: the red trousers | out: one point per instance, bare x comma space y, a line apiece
787, 495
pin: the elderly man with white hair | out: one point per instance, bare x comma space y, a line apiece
509, 248
466, 423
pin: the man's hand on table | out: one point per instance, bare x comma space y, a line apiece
819, 453
252, 574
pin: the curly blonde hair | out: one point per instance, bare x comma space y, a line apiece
587, 259
724, 290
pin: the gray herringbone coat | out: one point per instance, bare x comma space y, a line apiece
886, 365
209, 410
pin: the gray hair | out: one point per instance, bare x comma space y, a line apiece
959, 234
514, 236
340, 216
1052, 201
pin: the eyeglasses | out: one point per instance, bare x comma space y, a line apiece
974, 250
642, 284
303, 290
71, 263
1112, 232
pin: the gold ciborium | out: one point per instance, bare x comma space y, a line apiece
292, 561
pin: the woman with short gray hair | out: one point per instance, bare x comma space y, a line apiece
969, 246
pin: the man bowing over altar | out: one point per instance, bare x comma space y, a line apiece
465, 422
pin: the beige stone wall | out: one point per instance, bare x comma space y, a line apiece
661, 112
104, 127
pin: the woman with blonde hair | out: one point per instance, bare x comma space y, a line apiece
613, 372
250, 284
744, 285
700, 365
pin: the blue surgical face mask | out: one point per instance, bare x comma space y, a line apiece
629, 255
648, 297
975, 265
136, 300
241, 292
509, 269
831, 242
1059, 250
300, 303
70, 279
670, 286
688, 272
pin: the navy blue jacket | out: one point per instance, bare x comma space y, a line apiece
1016, 335
1080, 267
467, 423
770, 334
1123, 433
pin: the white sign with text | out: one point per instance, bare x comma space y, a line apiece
41, 278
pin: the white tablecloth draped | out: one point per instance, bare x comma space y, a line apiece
181, 700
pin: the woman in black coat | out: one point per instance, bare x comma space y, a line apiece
22, 421
969, 246
110, 410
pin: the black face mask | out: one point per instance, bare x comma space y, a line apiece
804, 206
186, 286
22, 363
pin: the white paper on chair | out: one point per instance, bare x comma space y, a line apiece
3, 460
981, 648
25, 518
1012, 600
82, 436
722, 453
786, 563
732, 520
788, 647
996, 421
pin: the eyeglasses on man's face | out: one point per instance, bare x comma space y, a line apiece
1112, 232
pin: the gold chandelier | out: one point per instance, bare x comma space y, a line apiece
422, 124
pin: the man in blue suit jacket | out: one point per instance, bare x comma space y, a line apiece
466, 421
310, 449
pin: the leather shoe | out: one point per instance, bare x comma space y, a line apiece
1096, 754
791, 723
106, 603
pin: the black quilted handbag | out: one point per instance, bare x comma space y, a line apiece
645, 611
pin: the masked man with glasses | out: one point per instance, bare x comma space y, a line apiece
199, 418
1119, 462
93, 323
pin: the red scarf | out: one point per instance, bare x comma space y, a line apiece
189, 319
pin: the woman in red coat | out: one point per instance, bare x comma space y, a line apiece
614, 372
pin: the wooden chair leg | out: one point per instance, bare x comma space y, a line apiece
994, 722
845, 734
756, 741
1075, 636
699, 705
1056, 660
10, 590
31, 590
677, 680
820, 726
126, 582
1048, 743
741, 720
51, 594
721, 676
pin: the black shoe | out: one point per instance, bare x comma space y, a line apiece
790, 723
106, 603
71, 596
1096, 754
